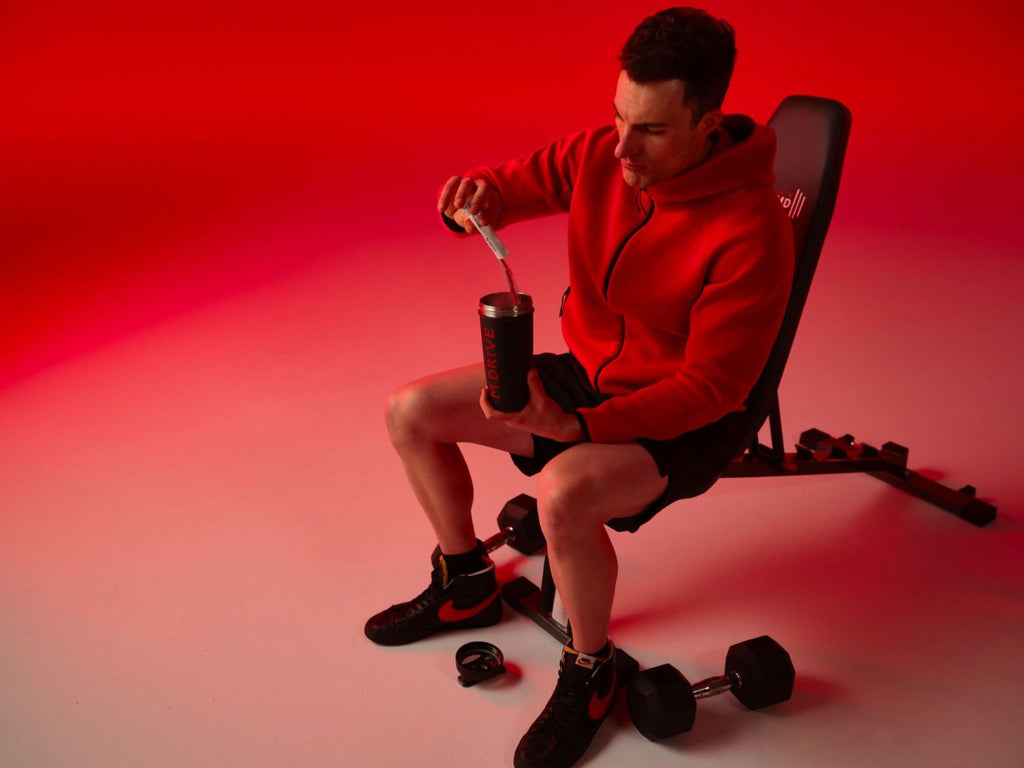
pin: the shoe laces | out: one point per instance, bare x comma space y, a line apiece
569, 700
404, 612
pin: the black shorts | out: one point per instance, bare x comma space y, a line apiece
692, 462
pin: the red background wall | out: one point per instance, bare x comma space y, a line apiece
156, 158
215, 222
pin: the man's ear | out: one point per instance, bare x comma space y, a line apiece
710, 121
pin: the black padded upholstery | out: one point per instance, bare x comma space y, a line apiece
812, 134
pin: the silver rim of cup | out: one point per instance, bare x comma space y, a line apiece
500, 305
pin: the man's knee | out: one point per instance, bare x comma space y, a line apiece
435, 408
405, 412
567, 498
582, 488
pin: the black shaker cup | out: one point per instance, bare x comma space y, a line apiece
506, 329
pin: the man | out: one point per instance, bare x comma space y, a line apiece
680, 263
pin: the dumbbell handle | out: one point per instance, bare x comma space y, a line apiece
500, 539
713, 686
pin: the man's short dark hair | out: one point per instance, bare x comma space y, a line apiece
688, 44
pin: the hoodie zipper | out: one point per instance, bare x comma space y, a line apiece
608, 279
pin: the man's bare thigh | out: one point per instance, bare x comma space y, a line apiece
451, 401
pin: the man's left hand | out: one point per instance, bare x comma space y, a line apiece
542, 416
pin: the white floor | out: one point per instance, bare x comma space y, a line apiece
198, 515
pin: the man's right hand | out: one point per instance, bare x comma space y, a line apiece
484, 202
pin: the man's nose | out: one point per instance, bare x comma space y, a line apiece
626, 145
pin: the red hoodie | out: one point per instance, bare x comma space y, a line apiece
676, 293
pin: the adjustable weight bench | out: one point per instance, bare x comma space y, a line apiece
812, 136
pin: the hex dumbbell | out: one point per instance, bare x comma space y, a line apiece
662, 703
518, 526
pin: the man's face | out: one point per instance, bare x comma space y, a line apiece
657, 135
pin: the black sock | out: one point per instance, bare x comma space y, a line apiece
603, 654
463, 563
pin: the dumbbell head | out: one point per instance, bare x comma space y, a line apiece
519, 516
661, 703
762, 672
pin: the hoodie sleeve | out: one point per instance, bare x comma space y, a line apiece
538, 185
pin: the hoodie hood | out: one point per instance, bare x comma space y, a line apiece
743, 154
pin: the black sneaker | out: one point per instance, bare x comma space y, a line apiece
583, 697
450, 602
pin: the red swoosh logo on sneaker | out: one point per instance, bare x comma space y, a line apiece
449, 614
599, 704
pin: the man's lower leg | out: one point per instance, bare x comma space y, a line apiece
585, 571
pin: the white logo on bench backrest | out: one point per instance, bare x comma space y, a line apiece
793, 202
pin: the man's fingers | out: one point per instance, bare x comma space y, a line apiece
444, 200
460, 192
485, 405
466, 191
537, 392
456, 192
